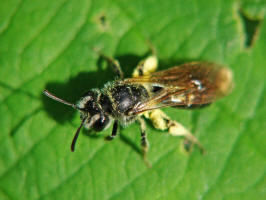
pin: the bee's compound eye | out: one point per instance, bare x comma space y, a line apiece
101, 123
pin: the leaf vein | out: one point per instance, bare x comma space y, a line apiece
46, 24
101, 148
11, 18
48, 65
141, 173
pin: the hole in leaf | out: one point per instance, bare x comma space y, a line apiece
102, 21
251, 29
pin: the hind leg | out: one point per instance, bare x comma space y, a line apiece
144, 140
112, 62
162, 122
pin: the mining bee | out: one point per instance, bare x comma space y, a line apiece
123, 101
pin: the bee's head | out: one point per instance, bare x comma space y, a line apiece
91, 112
91, 109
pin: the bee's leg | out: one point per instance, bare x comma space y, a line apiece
177, 129
113, 62
146, 66
114, 132
151, 47
162, 122
144, 140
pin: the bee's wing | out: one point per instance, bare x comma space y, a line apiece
190, 84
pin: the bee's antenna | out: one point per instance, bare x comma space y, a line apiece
76, 136
50, 95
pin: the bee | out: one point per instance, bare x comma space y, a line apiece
125, 100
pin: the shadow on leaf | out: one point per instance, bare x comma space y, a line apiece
73, 89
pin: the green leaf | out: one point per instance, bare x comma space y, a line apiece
49, 44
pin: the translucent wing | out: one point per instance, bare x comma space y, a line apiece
191, 84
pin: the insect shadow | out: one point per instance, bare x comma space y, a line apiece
76, 86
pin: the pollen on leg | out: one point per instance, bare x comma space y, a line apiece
177, 129
150, 65
159, 119
146, 66
162, 122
